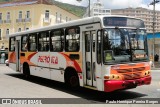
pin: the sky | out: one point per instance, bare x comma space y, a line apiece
116, 4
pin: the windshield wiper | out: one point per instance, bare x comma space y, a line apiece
130, 47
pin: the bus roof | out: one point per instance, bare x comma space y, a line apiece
82, 21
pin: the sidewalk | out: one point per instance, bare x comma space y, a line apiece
157, 66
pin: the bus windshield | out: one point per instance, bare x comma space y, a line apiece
124, 45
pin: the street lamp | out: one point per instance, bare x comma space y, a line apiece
153, 3
89, 11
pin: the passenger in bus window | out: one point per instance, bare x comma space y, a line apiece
32, 47
25, 46
70, 45
47, 47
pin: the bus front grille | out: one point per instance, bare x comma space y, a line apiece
131, 73
130, 76
124, 70
139, 69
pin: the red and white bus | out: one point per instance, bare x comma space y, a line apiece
105, 53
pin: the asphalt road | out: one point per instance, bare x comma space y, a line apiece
15, 85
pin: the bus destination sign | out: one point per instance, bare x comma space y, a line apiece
123, 22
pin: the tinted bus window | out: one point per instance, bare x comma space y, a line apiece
12, 44
72, 37
24, 43
57, 40
43, 41
32, 43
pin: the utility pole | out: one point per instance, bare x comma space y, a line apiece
154, 18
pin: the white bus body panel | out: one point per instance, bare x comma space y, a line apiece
57, 75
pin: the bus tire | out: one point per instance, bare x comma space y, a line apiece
26, 70
72, 80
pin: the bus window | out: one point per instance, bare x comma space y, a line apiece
72, 43
94, 45
12, 44
32, 43
57, 37
88, 39
24, 43
43, 41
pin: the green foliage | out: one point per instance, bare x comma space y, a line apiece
77, 10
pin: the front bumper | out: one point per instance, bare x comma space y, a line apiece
125, 84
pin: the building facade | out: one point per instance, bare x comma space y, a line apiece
145, 14
154, 40
97, 9
23, 15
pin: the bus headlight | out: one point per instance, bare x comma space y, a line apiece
146, 73
112, 77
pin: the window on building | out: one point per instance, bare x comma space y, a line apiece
0, 34
95, 10
100, 11
107, 11
19, 29
24, 42
7, 32
57, 40
32, 42
8, 15
27, 28
72, 38
28, 14
20, 14
12, 44
47, 14
43, 41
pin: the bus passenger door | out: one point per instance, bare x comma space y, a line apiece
17, 49
90, 54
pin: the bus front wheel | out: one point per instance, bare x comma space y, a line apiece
72, 81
